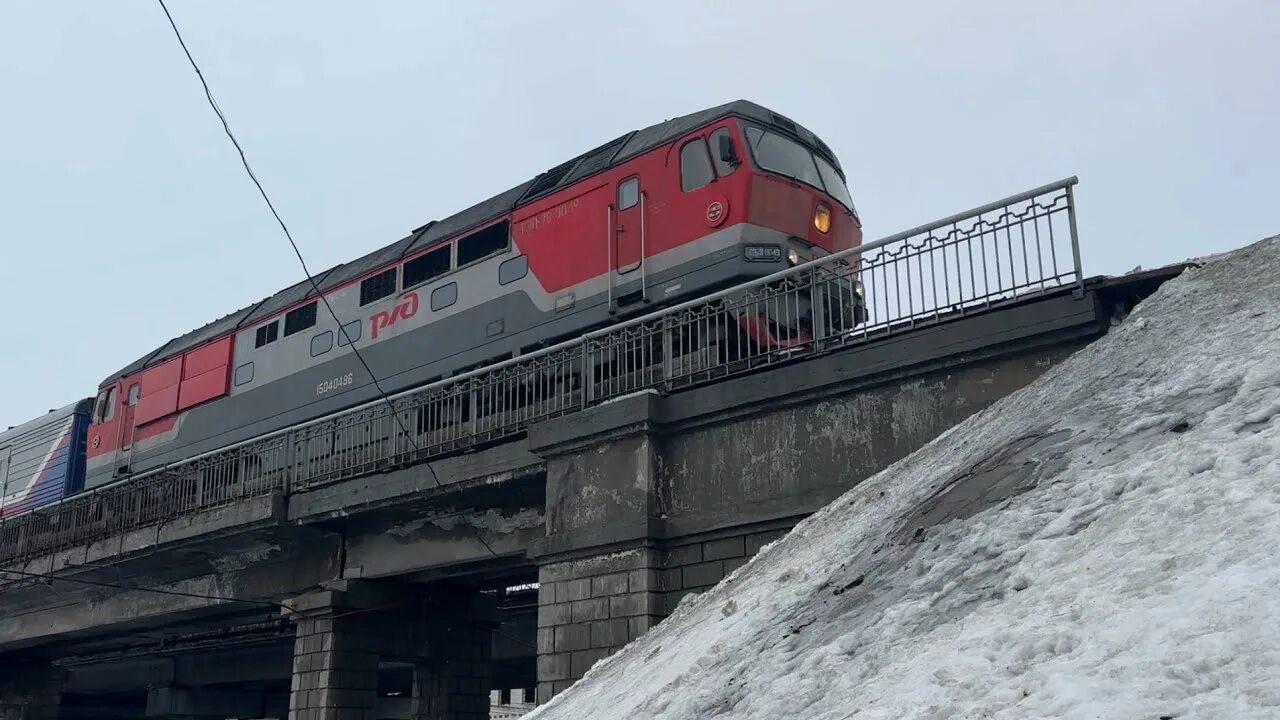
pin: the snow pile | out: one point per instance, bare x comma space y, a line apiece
1102, 544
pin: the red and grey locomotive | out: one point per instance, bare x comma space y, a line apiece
657, 216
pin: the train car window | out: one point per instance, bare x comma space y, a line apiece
483, 242
628, 193
514, 269
724, 168
695, 166
299, 319
321, 343
351, 332
433, 264
373, 289
244, 374
135, 391
267, 334
444, 296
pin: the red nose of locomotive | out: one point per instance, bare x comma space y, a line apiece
814, 222
799, 194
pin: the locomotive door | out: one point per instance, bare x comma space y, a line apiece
126, 422
4, 479
628, 227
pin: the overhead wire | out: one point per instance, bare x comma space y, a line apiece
298, 253
284, 607
140, 588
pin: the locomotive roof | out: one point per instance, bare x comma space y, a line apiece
567, 173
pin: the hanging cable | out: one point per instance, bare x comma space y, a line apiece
49, 578
141, 588
297, 252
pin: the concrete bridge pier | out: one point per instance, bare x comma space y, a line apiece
451, 674
346, 634
599, 565
30, 690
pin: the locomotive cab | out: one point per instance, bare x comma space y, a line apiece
798, 209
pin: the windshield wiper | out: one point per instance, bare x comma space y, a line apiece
792, 178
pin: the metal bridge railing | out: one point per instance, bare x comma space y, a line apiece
995, 254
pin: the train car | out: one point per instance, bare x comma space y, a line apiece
656, 216
43, 460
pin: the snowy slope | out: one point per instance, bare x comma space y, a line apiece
1102, 544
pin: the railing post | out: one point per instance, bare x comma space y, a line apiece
393, 428
289, 462
1075, 237
668, 349
817, 309
588, 374
474, 403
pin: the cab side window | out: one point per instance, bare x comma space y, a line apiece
695, 166
106, 409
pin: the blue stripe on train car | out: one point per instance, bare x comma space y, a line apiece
43, 461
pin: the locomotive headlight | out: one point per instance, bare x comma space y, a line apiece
822, 218
793, 257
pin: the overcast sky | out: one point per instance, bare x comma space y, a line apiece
125, 218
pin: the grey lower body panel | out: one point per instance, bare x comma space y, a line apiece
506, 326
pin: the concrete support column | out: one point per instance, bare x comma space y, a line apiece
588, 609
344, 634
335, 674
335, 657
598, 566
452, 674
30, 691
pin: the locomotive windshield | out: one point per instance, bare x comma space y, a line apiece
782, 155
